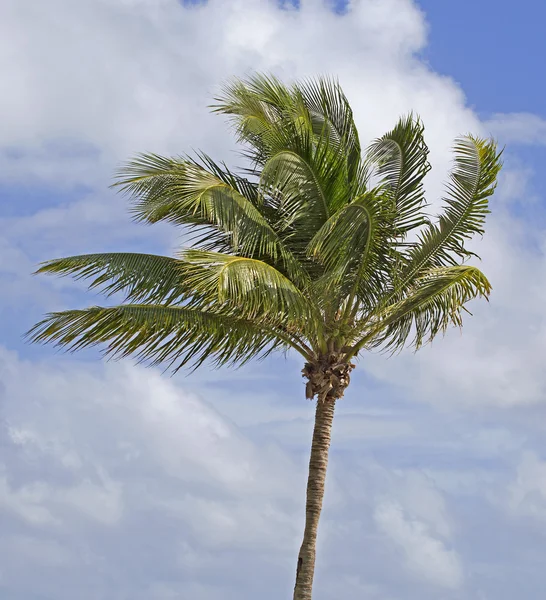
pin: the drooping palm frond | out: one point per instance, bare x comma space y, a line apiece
184, 192
251, 287
141, 277
176, 335
435, 302
212, 201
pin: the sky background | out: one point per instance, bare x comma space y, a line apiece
118, 482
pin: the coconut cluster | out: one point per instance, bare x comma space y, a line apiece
327, 378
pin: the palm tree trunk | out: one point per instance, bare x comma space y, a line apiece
318, 464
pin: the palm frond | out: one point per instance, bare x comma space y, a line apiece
311, 119
400, 160
307, 177
302, 197
251, 287
256, 106
177, 336
355, 246
433, 304
472, 183
330, 110
141, 277
210, 200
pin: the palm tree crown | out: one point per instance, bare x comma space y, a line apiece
301, 251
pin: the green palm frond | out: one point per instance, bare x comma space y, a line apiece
330, 109
185, 192
472, 183
141, 277
300, 186
178, 336
256, 107
305, 118
400, 159
250, 287
436, 302
210, 201
354, 245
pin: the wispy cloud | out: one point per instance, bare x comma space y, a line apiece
518, 128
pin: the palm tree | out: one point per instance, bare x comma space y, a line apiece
316, 246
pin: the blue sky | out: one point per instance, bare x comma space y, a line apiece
493, 49
119, 482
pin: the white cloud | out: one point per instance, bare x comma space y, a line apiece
425, 553
144, 83
526, 495
40, 503
138, 444
518, 128
148, 423
185, 437
26, 502
36, 551
157, 463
